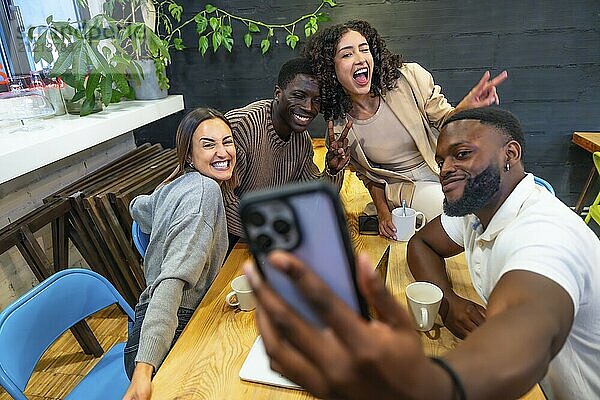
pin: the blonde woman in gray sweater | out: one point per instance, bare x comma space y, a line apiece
186, 220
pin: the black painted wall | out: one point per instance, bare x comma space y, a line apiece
551, 50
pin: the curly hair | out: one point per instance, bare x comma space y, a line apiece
321, 50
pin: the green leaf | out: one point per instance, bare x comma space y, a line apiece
201, 23
291, 40
96, 58
121, 82
30, 33
330, 2
178, 43
106, 89
64, 62
214, 23
252, 27
80, 59
78, 96
88, 106
323, 17
210, 8
202, 44
228, 43
311, 26
49, 19
69, 79
248, 39
176, 10
91, 84
217, 39
116, 96
264, 45
227, 30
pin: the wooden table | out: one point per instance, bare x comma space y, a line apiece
589, 141
206, 360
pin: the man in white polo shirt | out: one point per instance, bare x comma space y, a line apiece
518, 238
535, 264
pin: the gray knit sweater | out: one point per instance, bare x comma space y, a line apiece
188, 242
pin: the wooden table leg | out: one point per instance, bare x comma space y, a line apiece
42, 269
586, 187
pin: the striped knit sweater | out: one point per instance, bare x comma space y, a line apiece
264, 160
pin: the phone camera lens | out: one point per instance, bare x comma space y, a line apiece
281, 226
264, 243
256, 218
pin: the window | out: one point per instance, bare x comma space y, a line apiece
16, 17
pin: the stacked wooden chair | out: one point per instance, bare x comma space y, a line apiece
93, 213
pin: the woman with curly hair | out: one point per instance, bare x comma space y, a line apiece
394, 110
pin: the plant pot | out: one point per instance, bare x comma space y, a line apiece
147, 88
74, 107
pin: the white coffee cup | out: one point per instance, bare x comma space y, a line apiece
424, 301
242, 295
406, 225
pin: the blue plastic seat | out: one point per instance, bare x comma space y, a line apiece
544, 183
34, 321
140, 239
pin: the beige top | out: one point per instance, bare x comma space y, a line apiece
396, 151
421, 108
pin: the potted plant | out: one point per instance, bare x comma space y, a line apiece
133, 39
87, 60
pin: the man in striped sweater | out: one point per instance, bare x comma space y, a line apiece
272, 144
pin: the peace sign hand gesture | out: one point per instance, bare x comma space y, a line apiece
484, 93
337, 154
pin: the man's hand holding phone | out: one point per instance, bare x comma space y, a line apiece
329, 362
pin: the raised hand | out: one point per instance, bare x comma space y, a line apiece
484, 93
463, 316
370, 359
337, 153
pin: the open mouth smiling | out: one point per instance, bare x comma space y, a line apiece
302, 119
221, 165
361, 76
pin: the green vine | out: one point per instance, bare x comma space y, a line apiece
220, 32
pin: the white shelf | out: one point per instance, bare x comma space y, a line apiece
60, 137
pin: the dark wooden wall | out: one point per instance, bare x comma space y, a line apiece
550, 48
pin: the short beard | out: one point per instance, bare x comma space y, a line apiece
477, 194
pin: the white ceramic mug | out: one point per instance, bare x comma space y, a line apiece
424, 301
242, 295
406, 225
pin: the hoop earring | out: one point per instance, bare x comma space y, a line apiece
507, 167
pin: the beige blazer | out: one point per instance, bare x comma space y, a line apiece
421, 108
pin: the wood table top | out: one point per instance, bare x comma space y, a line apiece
589, 141
206, 360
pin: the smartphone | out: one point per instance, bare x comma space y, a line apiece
368, 225
307, 220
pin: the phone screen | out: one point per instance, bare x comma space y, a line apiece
308, 221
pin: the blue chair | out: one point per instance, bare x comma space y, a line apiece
34, 321
544, 183
140, 239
